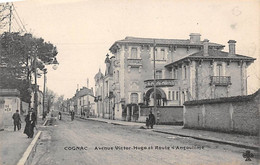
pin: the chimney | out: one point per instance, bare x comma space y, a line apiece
206, 47
87, 82
195, 37
232, 47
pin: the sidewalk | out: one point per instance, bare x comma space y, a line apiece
13, 144
250, 142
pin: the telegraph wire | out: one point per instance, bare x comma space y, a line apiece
24, 29
18, 25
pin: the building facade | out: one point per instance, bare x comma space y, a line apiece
9, 102
99, 93
82, 102
184, 70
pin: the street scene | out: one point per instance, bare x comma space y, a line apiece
129, 82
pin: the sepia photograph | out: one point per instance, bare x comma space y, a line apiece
112, 82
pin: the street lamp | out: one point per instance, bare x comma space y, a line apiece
55, 64
44, 84
54, 67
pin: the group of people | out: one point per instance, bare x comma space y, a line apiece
30, 121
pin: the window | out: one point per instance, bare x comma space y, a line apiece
185, 72
156, 54
169, 95
219, 70
134, 53
158, 74
162, 54
175, 73
173, 95
183, 96
177, 95
134, 98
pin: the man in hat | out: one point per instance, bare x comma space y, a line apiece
30, 123
151, 119
17, 120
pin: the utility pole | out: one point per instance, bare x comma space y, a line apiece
44, 84
35, 80
154, 81
10, 18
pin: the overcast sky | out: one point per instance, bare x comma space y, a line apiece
84, 30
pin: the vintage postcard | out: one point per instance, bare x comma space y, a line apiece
129, 82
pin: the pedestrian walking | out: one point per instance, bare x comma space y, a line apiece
72, 115
151, 119
17, 120
30, 124
59, 115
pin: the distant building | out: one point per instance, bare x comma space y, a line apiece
184, 70
84, 102
99, 94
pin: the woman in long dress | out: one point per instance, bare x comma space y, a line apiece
30, 124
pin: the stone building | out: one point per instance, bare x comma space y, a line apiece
184, 70
9, 102
84, 102
209, 74
99, 93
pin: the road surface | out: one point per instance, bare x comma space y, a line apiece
86, 142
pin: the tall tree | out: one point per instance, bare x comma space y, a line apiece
50, 97
17, 54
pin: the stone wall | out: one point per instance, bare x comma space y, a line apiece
230, 114
168, 114
2, 103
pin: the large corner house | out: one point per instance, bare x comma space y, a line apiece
189, 69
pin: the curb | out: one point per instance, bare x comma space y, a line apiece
213, 140
197, 138
29, 153
194, 137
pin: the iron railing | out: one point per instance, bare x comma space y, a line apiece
220, 80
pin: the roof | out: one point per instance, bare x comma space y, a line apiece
223, 99
186, 42
83, 92
99, 75
214, 54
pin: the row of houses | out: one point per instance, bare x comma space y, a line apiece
82, 103
184, 70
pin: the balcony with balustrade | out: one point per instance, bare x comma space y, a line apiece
160, 83
134, 62
220, 80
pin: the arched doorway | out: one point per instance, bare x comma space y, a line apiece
160, 97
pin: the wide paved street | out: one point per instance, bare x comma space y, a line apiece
81, 142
